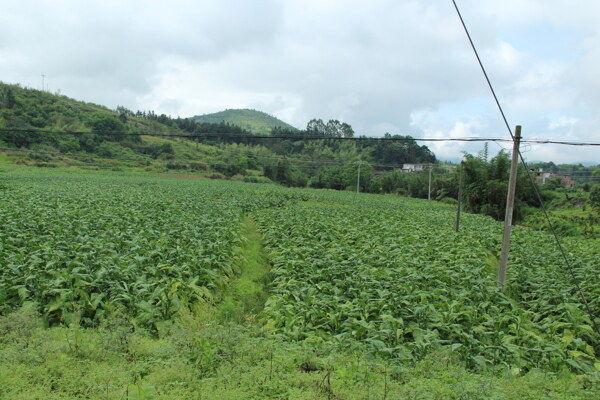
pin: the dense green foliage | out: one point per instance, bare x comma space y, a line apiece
397, 276
200, 358
486, 186
573, 211
372, 269
186, 125
141, 246
34, 109
113, 134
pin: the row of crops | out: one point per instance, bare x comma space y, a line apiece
394, 274
90, 244
348, 269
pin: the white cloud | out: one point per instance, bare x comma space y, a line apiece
376, 65
434, 126
563, 122
112, 51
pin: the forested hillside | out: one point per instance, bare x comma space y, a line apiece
112, 133
44, 129
116, 135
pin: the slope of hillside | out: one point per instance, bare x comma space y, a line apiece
23, 108
256, 122
121, 138
114, 134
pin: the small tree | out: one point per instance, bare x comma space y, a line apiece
109, 126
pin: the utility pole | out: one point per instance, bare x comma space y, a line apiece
460, 179
510, 201
358, 177
429, 187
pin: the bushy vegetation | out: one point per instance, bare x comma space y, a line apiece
201, 358
369, 296
113, 134
573, 211
395, 275
486, 186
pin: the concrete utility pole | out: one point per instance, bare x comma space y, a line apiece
358, 177
429, 187
510, 201
460, 178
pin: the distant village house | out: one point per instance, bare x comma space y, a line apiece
415, 167
542, 177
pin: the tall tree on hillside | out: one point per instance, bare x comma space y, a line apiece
335, 128
9, 99
347, 130
404, 150
316, 127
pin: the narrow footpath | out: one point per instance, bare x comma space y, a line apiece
246, 295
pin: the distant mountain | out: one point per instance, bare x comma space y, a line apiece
254, 121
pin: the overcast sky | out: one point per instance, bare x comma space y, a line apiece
397, 66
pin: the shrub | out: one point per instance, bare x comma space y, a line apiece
257, 179
595, 197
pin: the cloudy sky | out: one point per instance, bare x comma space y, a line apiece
397, 66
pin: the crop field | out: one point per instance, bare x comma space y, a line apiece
382, 274
394, 274
75, 245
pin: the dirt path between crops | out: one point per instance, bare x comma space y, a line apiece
247, 294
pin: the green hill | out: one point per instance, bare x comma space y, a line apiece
48, 130
23, 108
254, 121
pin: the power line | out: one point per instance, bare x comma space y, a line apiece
143, 158
312, 163
254, 155
320, 163
568, 143
226, 135
532, 180
483, 69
